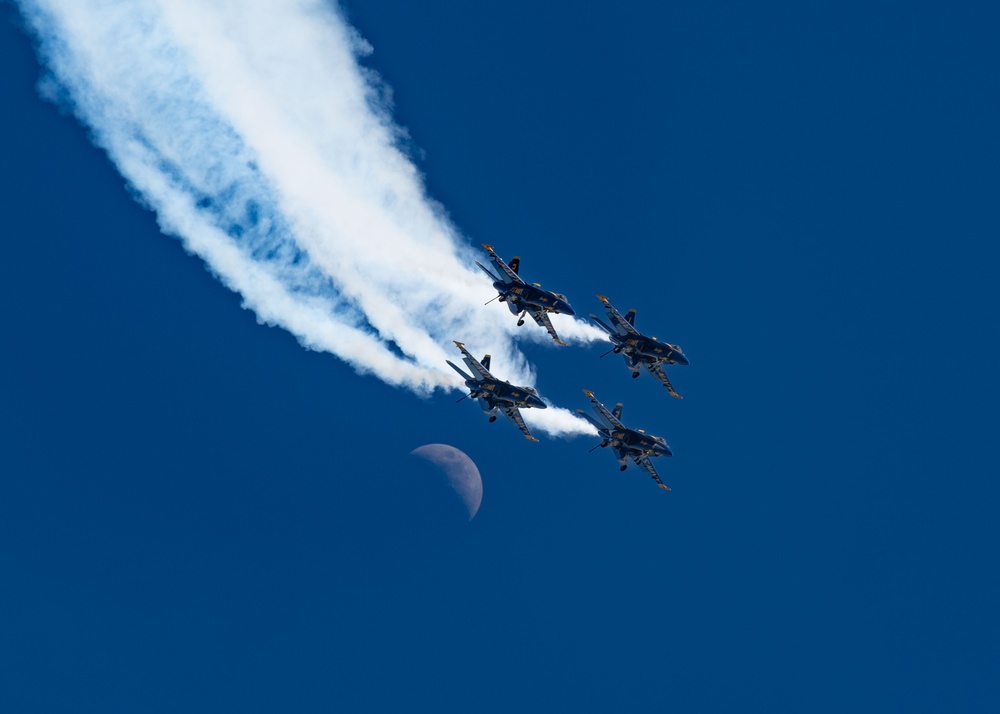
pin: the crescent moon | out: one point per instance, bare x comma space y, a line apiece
463, 476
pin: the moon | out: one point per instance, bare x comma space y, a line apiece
463, 476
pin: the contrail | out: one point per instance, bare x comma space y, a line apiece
253, 134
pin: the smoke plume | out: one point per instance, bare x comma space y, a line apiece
257, 139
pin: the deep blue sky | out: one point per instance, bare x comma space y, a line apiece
196, 514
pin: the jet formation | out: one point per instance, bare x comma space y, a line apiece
639, 351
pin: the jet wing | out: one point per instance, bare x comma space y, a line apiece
514, 414
656, 369
473, 363
645, 463
610, 421
542, 318
512, 277
623, 326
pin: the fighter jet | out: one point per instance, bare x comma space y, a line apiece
496, 395
627, 443
637, 349
524, 298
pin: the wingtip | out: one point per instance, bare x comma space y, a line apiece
663, 486
529, 437
460, 344
588, 392
560, 342
487, 246
602, 298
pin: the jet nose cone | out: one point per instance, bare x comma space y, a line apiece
537, 403
664, 450
565, 309
681, 358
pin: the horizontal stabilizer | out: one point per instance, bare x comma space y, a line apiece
486, 270
600, 427
465, 376
604, 327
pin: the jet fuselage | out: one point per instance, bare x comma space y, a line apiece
497, 393
517, 295
633, 441
649, 349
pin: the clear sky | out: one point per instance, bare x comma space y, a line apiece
198, 514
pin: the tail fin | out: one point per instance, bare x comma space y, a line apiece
617, 411
515, 263
630, 316
486, 362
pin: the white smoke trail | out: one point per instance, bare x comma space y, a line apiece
254, 135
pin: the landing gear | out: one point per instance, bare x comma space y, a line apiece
617, 350
493, 418
520, 322
635, 375
623, 467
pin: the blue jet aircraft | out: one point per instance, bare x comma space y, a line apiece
522, 297
494, 394
627, 443
637, 349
